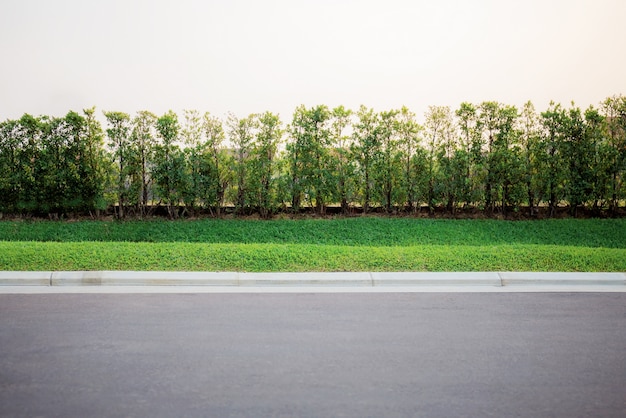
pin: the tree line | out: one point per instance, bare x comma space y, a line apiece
490, 157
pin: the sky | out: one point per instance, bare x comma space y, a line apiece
246, 56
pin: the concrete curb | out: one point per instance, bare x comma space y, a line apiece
314, 279
143, 278
306, 279
563, 279
25, 278
436, 279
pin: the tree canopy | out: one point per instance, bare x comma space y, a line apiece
484, 157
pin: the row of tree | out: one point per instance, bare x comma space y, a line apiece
489, 156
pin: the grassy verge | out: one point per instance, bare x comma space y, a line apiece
361, 244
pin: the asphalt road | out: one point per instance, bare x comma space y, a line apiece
313, 355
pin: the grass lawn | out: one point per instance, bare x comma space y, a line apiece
342, 244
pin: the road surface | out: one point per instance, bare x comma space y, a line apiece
313, 355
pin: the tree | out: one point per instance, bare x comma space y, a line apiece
389, 162
192, 138
57, 169
216, 173
264, 149
169, 170
308, 152
438, 126
29, 134
241, 134
118, 133
143, 140
83, 158
408, 131
596, 134
10, 166
554, 177
470, 154
615, 113
94, 164
488, 120
366, 147
449, 173
340, 156
506, 161
579, 153
530, 139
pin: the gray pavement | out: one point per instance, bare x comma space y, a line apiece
313, 354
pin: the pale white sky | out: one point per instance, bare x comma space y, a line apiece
250, 56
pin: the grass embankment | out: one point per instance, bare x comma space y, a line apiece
352, 244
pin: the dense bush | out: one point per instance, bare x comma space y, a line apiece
490, 156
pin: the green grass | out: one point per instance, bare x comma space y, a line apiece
350, 244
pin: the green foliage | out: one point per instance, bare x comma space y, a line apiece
354, 244
214, 172
366, 148
387, 164
358, 231
169, 171
553, 157
485, 156
241, 134
308, 152
311, 257
118, 133
615, 111
408, 131
342, 165
440, 137
263, 165
52, 166
143, 140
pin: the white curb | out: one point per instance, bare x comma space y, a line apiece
562, 279
436, 279
25, 278
306, 279
313, 279
143, 278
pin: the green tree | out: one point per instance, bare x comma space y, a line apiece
408, 131
169, 170
308, 153
118, 133
596, 135
216, 172
470, 154
344, 172
533, 164
614, 109
449, 173
387, 167
10, 180
438, 131
241, 134
143, 141
579, 153
29, 134
84, 162
56, 169
506, 160
555, 175
366, 148
194, 153
488, 122
263, 166
95, 166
